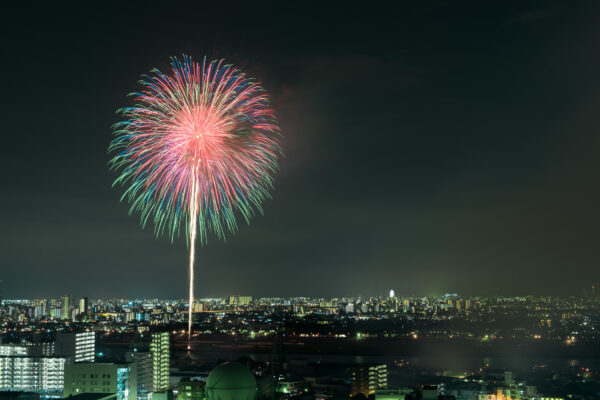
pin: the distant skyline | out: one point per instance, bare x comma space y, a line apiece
583, 293
429, 148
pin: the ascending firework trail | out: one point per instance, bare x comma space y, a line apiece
198, 146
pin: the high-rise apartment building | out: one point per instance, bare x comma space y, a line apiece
55, 313
240, 300
142, 362
42, 375
38, 311
83, 306
81, 346
155, 347
35, 349
367, 379
101, 378
160, 350
39, 308
66, 306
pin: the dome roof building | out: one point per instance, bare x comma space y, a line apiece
231, 381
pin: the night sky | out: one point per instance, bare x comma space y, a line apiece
434, 147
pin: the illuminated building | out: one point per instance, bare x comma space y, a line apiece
81, 345
42, 375
511, 393
39, 308
151, 354
142, 316
142, 362
367, 379
160, 350
13, 350
326, 304
83, 305
55, 313
240, 300
101, 378
65, 309
191, 390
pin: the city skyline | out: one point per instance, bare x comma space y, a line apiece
583, 293
448, 347
429, 149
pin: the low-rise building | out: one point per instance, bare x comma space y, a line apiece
119, 379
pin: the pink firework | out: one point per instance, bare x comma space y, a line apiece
199, 146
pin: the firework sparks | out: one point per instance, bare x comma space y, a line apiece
199, 146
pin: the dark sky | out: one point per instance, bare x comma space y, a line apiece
438, 146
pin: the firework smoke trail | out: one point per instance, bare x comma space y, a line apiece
198, 147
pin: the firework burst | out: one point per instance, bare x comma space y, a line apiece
198, 147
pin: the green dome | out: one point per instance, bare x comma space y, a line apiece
231, 381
